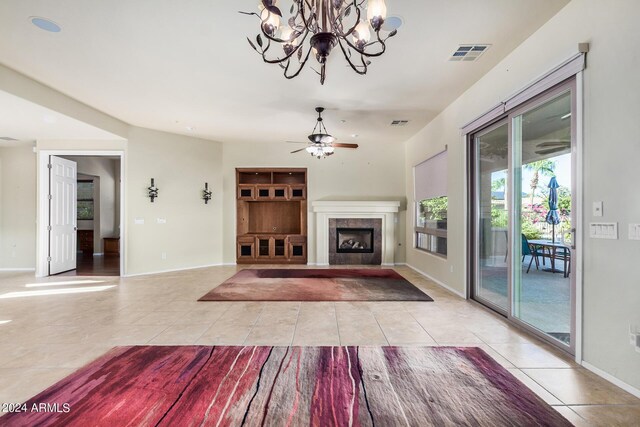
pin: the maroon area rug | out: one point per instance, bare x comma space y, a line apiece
316, 285
290, 386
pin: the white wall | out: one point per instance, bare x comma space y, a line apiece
192, 235
367, 173
611, 150
17, 207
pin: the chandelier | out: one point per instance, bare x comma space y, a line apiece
316, 27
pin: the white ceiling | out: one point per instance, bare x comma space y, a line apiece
26, 122
167, 64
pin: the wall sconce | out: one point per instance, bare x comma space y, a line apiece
153, 190
206, 193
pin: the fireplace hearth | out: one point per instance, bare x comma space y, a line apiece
354, 240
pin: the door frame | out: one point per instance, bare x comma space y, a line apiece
473, 210
574, 84
42, 201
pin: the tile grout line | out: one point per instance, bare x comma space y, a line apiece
253, 325
295, 328
211, 325
379, 326
422, 327
335, 314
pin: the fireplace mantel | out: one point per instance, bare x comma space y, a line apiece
384, 210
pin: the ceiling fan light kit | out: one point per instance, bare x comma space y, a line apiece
317, 27
321, 143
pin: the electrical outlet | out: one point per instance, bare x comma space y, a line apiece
164, 255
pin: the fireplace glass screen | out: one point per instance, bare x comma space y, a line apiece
354, 240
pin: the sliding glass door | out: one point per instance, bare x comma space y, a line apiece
491, 163
523, 221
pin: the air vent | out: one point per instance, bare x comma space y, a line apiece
6, 138
469, 52
399, 122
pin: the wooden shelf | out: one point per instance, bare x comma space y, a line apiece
271, 215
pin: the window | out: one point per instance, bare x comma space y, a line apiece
85, 200
431, 205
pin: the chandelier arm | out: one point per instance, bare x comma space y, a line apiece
367, 54
351, 64
302, 64
304, 17
287, 57
335, 27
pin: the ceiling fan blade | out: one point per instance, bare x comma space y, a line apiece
296, 142
551, 150
554, 144
296, 151
344, 145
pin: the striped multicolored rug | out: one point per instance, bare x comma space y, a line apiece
290, 386
327, 284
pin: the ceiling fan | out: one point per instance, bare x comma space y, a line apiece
321, 143
550, 147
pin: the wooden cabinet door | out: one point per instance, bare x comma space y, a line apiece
297, 248
246, 248
263, 247
246, 192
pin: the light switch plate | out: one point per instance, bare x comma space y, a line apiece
162, 220
603, 230
634, 231
597, 208
138, 221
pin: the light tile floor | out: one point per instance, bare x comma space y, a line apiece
50, 327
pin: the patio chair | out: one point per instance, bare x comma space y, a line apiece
564, 255
533, 251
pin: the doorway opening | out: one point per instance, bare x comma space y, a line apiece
80, 214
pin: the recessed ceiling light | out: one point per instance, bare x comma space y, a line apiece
392, 23
45, 24
190, 128
355, 135
48, 118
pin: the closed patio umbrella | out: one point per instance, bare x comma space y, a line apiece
552, 216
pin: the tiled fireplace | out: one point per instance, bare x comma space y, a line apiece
366, 236
355, 241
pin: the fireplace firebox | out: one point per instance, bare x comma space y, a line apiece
354, 240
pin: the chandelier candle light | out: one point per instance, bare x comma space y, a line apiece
327, 24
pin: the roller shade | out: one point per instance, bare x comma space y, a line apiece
431, 177
567, 69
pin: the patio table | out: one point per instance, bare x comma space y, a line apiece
552, 248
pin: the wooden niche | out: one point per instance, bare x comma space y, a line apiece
271, 216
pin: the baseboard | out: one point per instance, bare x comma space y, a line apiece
227, 264
460, 294
400, 263
173, 270
98, 254
599, 372
18, 269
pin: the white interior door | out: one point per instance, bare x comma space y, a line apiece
62, 214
